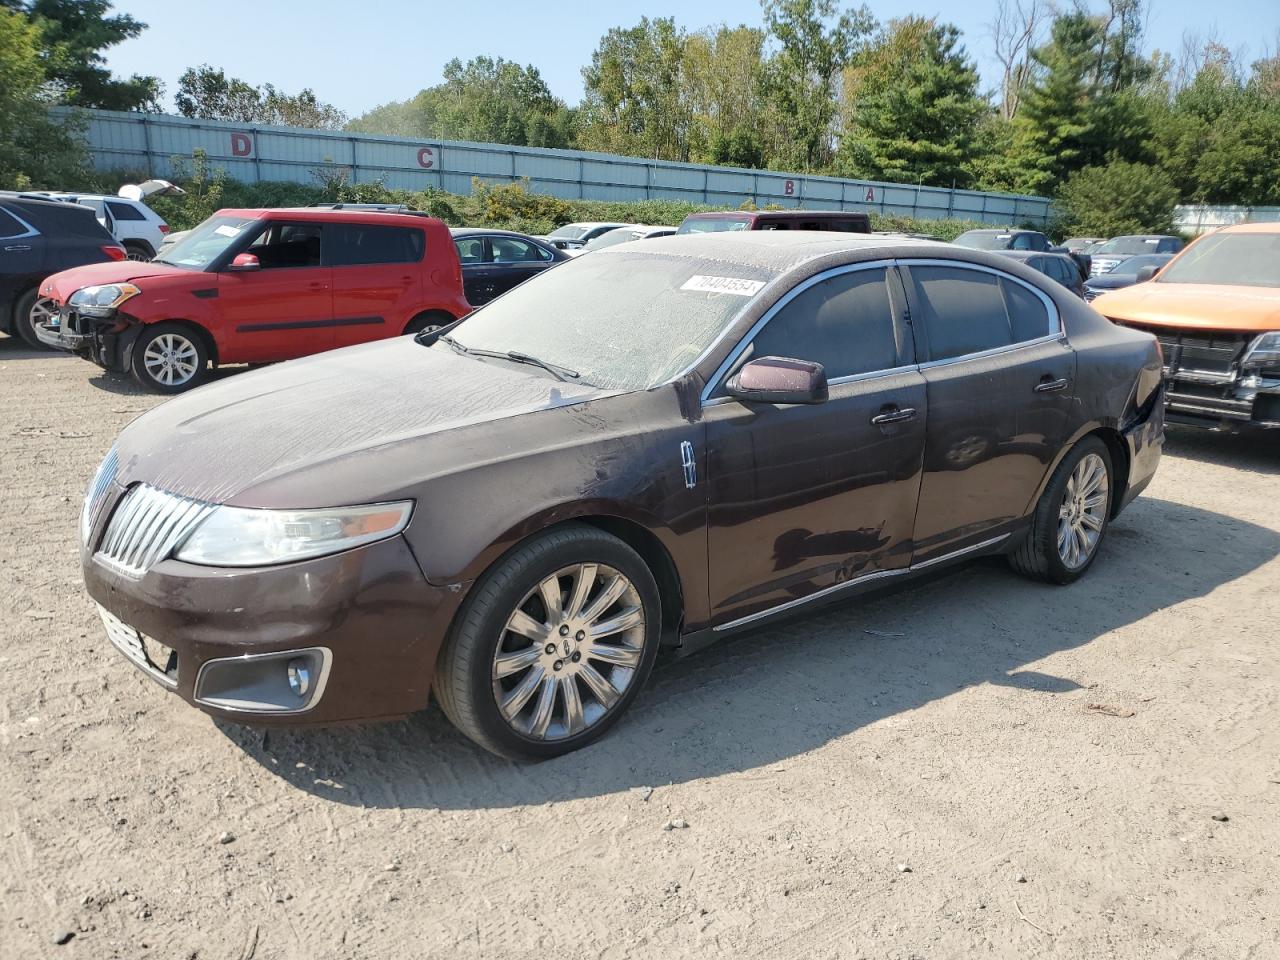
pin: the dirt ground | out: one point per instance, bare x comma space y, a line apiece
915, 776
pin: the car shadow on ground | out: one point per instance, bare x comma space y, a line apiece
787, 689
1256, 450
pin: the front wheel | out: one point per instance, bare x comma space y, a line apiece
169, 358
552, 645
432, 320
28, 312
1071, 518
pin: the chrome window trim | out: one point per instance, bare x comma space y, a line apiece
865, 578
769, 314
31, 231
1057, 329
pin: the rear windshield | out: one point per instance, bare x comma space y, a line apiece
570, 231
207, 242
1131, 266
714, 224
984, 241
1246, 259
1128, 245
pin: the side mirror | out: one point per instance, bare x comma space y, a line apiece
779, 380
244, 262
1146, 273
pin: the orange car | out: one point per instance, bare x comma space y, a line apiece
1215, 308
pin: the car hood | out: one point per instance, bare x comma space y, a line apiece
1108, 282
309, 432
62, 285
1203, 306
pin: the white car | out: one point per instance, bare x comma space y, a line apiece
139, 229
633, 231
574, 235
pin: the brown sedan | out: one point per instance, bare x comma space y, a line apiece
656, 445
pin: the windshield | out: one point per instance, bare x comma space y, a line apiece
206, 243
984, 241
1131, 266
713, 225
614, 237
623, 321
1128, 245
1247, 259
570, 231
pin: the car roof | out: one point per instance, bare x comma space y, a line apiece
779, 250
72, 195
1000, 231
486, 231
407, 218
1265, 226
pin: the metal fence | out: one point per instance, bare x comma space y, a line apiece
1202, 219
251, 153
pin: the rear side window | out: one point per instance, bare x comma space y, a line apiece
470, 249
9, 226
356, 244
969, 311
844, 322
511, 250
124, 211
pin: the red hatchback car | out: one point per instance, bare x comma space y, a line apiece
255, 286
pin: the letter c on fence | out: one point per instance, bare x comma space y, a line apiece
789, 188
426, 158
241, 145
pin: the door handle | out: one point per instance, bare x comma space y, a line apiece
1052, 386
17, 248
894, 415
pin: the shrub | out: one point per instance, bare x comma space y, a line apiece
1116, 199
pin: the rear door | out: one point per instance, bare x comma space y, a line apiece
472, 253
1000, 379
21, 254
282, 310
803, 498
377, 279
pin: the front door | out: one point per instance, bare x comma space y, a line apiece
512, 261
284, 309
806, 497
1000, 381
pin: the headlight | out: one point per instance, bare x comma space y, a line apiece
240, 537
1264, 351
102, 300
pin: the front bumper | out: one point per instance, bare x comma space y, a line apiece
366, 624
108, 342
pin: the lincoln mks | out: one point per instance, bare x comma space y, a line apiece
653, 446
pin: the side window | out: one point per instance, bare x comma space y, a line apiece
964, 311
359, 244
124, 211
511, 250
1167, 246
10, 226
283, 245
470, 249
845, 323
1021, 241
1038, 241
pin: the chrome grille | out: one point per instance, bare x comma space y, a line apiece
95, 498
1187, 352
147, 525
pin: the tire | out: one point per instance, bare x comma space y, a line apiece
469, 679
431, 320
169, 358
138, 250
1046, 553
25, 313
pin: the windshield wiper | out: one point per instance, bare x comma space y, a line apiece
515, 356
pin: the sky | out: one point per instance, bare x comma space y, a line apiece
357, 56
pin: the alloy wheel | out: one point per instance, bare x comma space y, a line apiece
171, 359
1082, 516
568, 652
42, 311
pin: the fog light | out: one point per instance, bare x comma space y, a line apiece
299, 677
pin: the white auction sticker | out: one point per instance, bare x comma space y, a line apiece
227, 231
734, 285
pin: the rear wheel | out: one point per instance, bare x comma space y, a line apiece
1071, 519
431, 320
30, 310
552, 645
169, 358
138, 250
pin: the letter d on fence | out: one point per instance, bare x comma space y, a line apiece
241, 145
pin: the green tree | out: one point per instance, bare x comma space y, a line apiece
35, 151
814, 43
1117, 198
210, 94
73, 36
721, 74
914, 106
